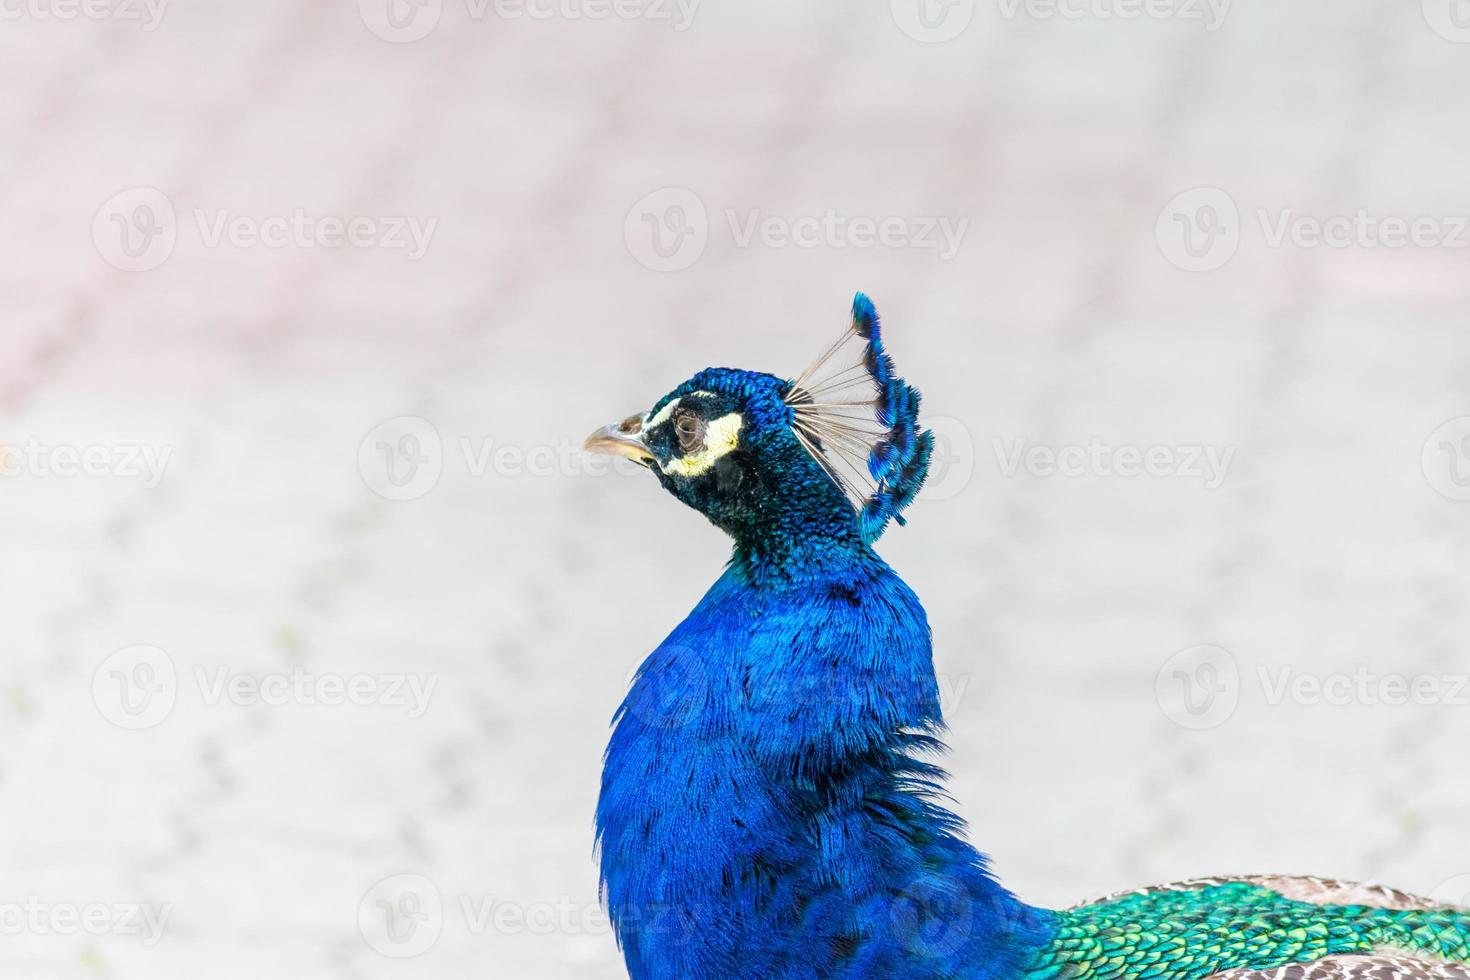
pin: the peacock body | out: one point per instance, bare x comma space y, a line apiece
769, 805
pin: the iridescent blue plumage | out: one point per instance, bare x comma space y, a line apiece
899, 461
767, 809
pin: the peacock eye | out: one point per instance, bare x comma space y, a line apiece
689, 429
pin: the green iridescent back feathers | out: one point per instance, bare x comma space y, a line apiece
1191, 934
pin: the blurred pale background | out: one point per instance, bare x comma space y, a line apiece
316, 617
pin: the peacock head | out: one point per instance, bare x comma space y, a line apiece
832, 455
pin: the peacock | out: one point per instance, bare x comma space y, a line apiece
769, 805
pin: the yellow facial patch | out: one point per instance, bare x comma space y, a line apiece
721, 437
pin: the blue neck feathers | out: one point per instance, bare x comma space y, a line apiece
766, 809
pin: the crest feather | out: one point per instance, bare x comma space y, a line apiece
860, 422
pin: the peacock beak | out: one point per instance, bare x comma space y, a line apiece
623, 439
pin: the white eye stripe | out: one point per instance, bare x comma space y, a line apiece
663, 415
721, 437
667, 412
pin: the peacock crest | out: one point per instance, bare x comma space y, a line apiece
860, 421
